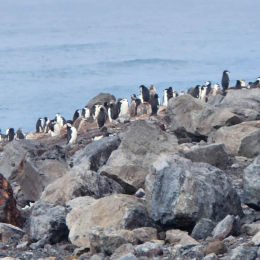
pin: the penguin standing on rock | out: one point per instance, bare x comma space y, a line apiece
10, 134
101, 119
225, 80
71, 134
41, 124
208, 85
155, 105
145, 93
134, 104
19, 134
77, 114
60, 120
112, 111
123, 107
152, 92
256, 84
54, 128
85, 112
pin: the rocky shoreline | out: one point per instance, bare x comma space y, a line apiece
182, 184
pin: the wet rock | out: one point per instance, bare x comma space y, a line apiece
149, 250
76, 185
122, 251
203, 229
117, 211
214, 154
47, 224
145, 234
8, 210
251, 184
242, 139
241, 252
176, 236
217, 247
194, 197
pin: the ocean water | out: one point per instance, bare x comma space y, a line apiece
55, 55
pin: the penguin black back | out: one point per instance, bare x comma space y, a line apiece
19, 134
225, 80
11, 134
101, 119
155, 104
145, 93
76, 115
169, 93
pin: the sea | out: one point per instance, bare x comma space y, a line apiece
55, 55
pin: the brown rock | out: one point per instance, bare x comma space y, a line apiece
176, 236
145, 234
122, 250
217, 247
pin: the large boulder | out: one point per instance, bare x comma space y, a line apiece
74, 185
114, 212
242, 139
184, 192
8, 210
251, 184
203, 229
214, 154
130, 163
47, 224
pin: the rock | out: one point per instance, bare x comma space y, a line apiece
95, 154
79, 201
8, 210
7, 231
241, 252
210, 257
122, 251
217, 247
101, 98
214, 154
224, 228
128, 257
242, 139
140, 193
251, 184
145, 234
144, 109
47, 224
130, 163
149, 250
176, 236
194, 196
104, 242
256, 239
124, 119
251, 229
115, 212
215, 100
99, 256
203, 229
128, 235
83, 184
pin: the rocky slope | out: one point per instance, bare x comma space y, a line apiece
180, 185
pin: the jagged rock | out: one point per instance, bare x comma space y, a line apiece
251, 184
149, 250
128, 235
87, 184
79, 201
101, 98
104, 242
194, 196
241, 252
145, 234
115, 212
7, 231
225, 228
140, 193
242, 139
176, 236
8, 210
128, 257
144, 109
47, 224
210, 257
215, 100
130, 163
122, 251
251, 229
95, 154
217, 247
214, 154
203, 229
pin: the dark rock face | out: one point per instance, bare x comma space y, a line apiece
214, 154
8, 211
251, 184
203, 229
184, 192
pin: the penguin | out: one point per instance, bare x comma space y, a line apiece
155, 105
165, 98
134, 104
145, 94
194, 92
48, 123
19, 134
175, 94
216, 90
169, 93
256, 84
225, 80
123, 107
60, 120
71, 134
249, 85
10, 134
70, 122
112, 111
182, 93
2, 136
237, 86
77, 114
85, 112
243, 83
208, 84
152, 92
203, 92
41, 124
54, 128
197, 91
101, 119
96, 110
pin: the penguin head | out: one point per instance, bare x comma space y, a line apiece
133, 97
46, 119
197, 87
216, 86
155, 96
102, 109
208, 83
151, 87
141, 88
170, 88
165, 90
258, 78
226, 72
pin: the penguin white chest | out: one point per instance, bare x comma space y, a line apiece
73, 135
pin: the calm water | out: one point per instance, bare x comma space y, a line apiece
55, 55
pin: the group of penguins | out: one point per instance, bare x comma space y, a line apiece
113, 110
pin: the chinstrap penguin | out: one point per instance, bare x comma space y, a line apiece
145, 93
71, 134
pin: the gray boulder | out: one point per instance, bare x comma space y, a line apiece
149, 250
47, 225
242, 139
128, 256
200, 191
122, 251
251, 184
203, 229
242, 252
214, 154
215, 100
